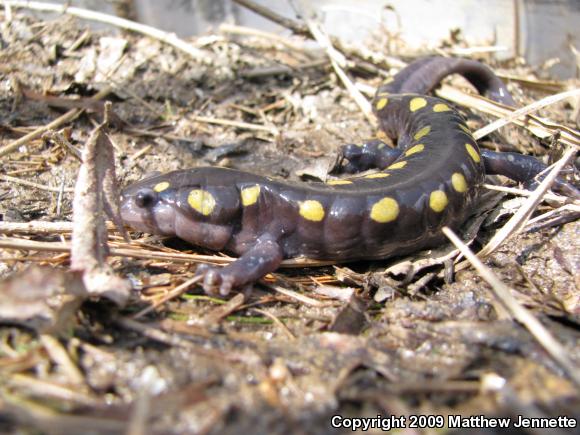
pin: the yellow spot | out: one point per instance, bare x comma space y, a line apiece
385, 210
160, 187
382, 103
398, 165
458, 182
415, 149
389, 80
381, 135
250, 195
312, 210
423, 132
417, 103
377, 175
438, 201
440, 107
473, 152
337, 182
201, 201
465, 128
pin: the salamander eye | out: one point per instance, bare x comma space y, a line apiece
146, 198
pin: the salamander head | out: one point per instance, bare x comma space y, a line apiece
145, 206
188, 204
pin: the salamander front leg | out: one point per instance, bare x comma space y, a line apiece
369, 155
523, 169
264, 257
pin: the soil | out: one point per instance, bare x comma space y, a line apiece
355, 340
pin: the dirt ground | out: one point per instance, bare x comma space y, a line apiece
355, 340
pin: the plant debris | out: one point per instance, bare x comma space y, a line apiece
103, 335
42, 299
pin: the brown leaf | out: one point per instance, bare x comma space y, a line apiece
43, 299
96, 193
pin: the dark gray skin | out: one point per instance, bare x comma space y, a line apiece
272, 228
423, 75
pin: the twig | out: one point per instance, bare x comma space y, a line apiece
52, 390
298, 296
60, 356
31, 245
281, 69
219, 313
244, 125
59, 139
538, 126
535, 106
300, 29
573, 209
168, 136
41, 415
10, 179
161, 336
177, 291
338, 61
295, 26
549, 86
278, 323
249, 31
522, 192
503, 294
39, 227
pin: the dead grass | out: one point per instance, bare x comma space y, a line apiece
402, 337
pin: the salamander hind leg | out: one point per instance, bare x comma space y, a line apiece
523, 169
264, 257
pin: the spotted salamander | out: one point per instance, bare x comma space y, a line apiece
429, 180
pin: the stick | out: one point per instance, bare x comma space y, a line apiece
503, 294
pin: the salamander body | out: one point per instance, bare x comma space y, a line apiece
428, 181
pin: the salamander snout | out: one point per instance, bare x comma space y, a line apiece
143, 208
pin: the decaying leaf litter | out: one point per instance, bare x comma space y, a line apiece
396, 337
